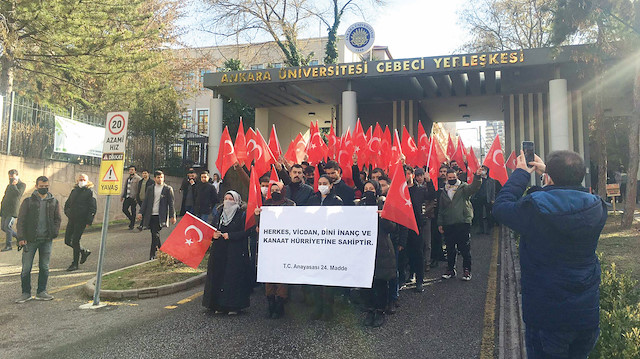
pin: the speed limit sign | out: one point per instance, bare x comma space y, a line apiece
116, 135
112, 165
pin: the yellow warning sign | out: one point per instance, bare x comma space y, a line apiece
110, 177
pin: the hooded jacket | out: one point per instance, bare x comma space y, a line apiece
559, 229
81, 204
30, 213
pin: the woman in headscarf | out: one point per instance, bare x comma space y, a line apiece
227, 288
385, 265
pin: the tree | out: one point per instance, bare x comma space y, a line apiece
281, 20
498, 25
234, 109
617, 23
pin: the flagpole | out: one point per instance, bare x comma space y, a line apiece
430, 148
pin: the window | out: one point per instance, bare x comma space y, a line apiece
277, 65
203, 122
187, 120
176, 150
313, 63
194, 153
257, 66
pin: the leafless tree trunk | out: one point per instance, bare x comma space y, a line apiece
634, 133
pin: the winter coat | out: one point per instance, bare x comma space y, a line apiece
385, 268
206, 197
419, 197
30, 213
330, 200
134, 187
81, 204
346, 193
560, 273
12, 195
166, 209
228, 284
150, 182
301, 196
458, 209
185, 191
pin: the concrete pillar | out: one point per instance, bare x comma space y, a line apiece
558, 116
262, 121
215, 132
349, 110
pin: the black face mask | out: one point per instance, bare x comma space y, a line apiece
369, 197
452, 182
277, 196
43, 190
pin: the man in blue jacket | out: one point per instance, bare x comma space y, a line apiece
559, 228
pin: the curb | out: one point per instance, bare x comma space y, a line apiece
143, 293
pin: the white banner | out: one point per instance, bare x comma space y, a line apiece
78, 138
332, 246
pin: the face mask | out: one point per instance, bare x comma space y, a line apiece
82, 183
324, 189
277, 196
369, 197
43, 190
13, 179
452, 182
228, 203
456, 167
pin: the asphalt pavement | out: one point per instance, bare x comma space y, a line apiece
446, 321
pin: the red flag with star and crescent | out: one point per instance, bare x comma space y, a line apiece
226, 153
472, 164
255, 199
345, 158
274, 144
439, 151
409, 148
451, 148
261, 153
433, 162
374, 147
240, 145
495, 162
273, 180
423, 146
296, 151
360, 143
385, 147
333, 144
511, 161
458, 155
398, 208
189, 241
396, 150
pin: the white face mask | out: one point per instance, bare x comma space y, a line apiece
264, 190
324, 189
82, 183
228, 203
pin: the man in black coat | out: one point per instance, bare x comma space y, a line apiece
9, 208
297, 190
144, 183
80, 208
341, 189
157, 209
206, 197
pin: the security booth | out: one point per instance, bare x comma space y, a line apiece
539, 94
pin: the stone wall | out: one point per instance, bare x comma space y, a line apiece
62, 176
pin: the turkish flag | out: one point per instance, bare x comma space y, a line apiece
240, 146
495, 162
439, 152
189, 241
296, 151
423, 146
316, 175
255, 199
317, 149
274, 144
273, 180
226, 153
261, 153
251, 135
451, 148
333, 144
511, 161
385, 147
458, 155
374, 147
409, 148
396, 150
360, 142
472, 165
345, 158
398, 208
433, 162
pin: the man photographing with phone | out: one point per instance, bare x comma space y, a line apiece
559, 227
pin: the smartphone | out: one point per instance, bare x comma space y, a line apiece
529, 150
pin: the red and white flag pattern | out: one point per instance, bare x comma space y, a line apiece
189, 241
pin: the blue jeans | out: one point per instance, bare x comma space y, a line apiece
547, 344
7, 227
28, 253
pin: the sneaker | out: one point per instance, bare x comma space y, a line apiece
449, 274
25, 297
467, 275
84, 255
43, 296
419, 288
72, 267
232, 313
5, 249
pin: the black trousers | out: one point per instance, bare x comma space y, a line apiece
129, 209
458, 238
415, 254
437, 253
154, 226
72, 235
379, 294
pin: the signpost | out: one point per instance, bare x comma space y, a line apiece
111, 171
613, 191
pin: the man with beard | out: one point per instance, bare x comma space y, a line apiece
341, 189
298, 191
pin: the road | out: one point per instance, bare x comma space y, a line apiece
446, 321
